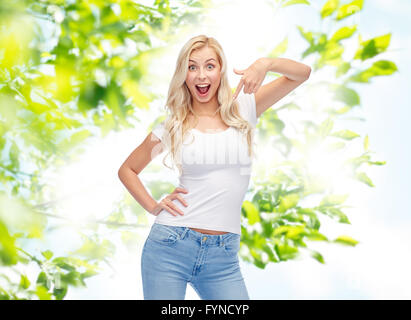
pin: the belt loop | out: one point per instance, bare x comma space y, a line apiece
221, 240
186, 229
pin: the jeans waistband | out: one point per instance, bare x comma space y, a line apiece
211, 239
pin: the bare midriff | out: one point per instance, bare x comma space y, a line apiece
208, 231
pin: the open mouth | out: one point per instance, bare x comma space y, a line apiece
203, 90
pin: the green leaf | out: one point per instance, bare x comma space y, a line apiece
94, 250
64, 263
311, 49
43, 293
251, 212
362, 176
346, 95
336, 212
87, 274
313, 221
331, 54
270, 253
73, 278
90, 95
24, 282
306, 35
291, 232
372, 47
73, 140
357, 161
315, 235
289, 106
37, 108
264, 201
8, 251
47, 254
343, 110
288, 201
60, 292
42, 280
346, 240
292, 2
280, 49
115, 100
349, 9
378, 163
14, 155
295, 232
335, 146
257, 259
271, 124
286, 252
317, 256
379, 68
345, 134
4, 295
277, 126
343, 33
325, 127
366, 143
333, 199
342, 69
267, 228
329, 7
292, 217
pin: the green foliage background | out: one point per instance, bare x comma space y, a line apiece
45, 118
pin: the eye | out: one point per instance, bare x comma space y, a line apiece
189, 67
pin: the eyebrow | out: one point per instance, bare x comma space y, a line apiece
206, 60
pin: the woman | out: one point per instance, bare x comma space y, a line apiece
195, 237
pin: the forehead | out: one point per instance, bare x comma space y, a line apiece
203, 54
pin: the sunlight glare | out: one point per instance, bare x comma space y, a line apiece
329, 169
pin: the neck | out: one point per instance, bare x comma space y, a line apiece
207, 108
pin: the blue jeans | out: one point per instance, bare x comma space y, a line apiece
174, 256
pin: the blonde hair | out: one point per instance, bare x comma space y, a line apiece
179, 101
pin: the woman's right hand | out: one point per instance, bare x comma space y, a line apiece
168, 205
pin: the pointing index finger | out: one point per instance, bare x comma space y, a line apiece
239, 87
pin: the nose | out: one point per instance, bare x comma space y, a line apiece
202, 73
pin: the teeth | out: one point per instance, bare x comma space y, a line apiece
203, 85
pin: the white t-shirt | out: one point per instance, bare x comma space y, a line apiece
216, 171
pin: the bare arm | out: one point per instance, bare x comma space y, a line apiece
134, 164
291, 69
294, 74
131, 168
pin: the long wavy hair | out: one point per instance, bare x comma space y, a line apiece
179, 102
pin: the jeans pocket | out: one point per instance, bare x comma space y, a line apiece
163, 234
232, 245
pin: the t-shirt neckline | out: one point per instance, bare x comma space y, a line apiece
219, 132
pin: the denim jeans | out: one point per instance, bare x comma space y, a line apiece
174, 256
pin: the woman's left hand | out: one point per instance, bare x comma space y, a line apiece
252, 77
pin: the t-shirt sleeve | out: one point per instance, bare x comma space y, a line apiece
158, 130
247, 107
